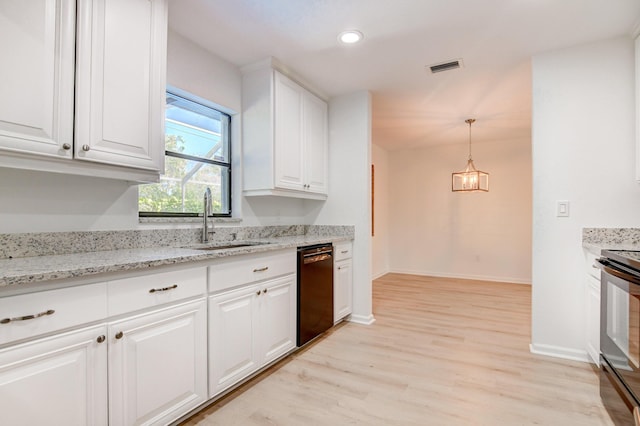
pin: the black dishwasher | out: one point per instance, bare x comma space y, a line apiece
315, 291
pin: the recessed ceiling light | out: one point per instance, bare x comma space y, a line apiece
350, 36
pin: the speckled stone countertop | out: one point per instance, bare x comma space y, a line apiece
597, 239
16, 271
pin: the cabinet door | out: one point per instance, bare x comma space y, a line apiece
60, 380
120, 82
342, 289
593, 319
277, 318
37, 42
158, 365
232, 338
288, 147
316, 143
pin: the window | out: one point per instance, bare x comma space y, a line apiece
197, 156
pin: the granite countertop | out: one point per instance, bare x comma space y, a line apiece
595, 240
36, 269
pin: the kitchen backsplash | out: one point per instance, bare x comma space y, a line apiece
52, 243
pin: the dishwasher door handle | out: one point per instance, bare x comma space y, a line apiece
317, 258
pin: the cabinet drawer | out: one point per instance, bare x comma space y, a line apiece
71, 307
234, 271
131, 294
343, 251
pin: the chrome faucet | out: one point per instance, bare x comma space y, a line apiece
206, 214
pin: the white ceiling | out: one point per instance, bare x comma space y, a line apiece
411, 107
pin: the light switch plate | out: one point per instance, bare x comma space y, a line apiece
562, 208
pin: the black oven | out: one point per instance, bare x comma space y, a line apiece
620, 334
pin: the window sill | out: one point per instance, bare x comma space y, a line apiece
187, 220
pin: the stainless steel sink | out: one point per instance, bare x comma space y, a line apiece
228, 246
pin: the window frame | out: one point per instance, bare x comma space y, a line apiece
191, 98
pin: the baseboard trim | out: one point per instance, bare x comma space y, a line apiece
381, 274
362, 319
559, 352
462, 276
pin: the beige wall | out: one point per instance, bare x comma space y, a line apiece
434, 231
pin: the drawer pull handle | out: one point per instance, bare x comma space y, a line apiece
27, 317
119, 335
344, 251
258, 293
154, 290
100, 339
264, 291
261, 269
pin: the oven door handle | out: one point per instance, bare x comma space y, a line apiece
603, 264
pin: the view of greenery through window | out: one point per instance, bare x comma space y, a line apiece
197, 156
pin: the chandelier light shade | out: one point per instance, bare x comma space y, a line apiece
470, 179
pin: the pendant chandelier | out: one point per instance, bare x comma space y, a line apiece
470, 179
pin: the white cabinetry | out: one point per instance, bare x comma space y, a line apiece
145, 363
118, 84
157, 365
37, 40
342, 281
592, 309
285, 137
59, 380
251, 323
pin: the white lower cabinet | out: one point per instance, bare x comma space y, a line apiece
248, 328
593, 319
158, 365
592, 307
342, 281
146, 364
59, 380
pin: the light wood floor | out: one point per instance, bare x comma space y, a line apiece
442, 352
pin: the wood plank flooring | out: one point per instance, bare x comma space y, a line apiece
441, 352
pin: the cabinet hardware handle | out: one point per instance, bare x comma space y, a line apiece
27, 317
86, 147
119, 335
261, 269
339, 268
258, 293
66, 146
100, 339
344, 251
154, 290
264, 291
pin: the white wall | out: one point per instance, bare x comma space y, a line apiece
349, 201
380, 240
464, 235
583, 151
48, 202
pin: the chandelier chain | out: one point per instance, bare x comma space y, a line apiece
470, 121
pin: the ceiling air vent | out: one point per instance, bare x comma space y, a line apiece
445, 66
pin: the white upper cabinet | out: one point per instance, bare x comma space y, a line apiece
120, 82
109, 57
289, 149
285, 136
316, 143
37, 42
